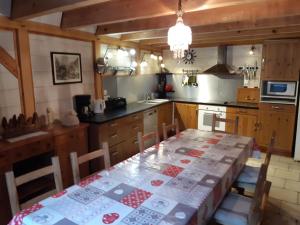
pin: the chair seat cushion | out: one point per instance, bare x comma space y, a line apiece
249, 175
234, 210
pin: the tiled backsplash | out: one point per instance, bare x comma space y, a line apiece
58, 97
9, 86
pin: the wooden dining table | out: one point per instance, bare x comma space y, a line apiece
181, 181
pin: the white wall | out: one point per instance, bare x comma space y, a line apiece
9, 87
58, 97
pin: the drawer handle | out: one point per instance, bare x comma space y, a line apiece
114, 136
113, 124
135, 142
136, 128
276, 107
135, 117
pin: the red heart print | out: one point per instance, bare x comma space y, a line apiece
156, 182
110, 218
185, 161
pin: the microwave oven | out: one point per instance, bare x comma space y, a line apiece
279, 91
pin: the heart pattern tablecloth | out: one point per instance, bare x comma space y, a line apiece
181, 181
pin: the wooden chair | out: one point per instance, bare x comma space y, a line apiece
167, 128
248, 177
142, 138
13, 182
76, 161
239, 209
218, 119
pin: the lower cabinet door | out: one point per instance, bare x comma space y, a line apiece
131, 147
117, 153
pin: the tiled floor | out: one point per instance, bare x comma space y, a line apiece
284, 201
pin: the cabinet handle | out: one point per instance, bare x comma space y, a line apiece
114, 136
276, 107
136, 128
113, 124
135, 117
135, 142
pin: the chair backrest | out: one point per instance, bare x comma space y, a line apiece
13, 182
216, 119
258, 198
270, 149
76, 161
167, 128
142, 138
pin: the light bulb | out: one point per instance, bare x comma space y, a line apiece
251, 51
120, 52
132, 51
144, 64
160, 58
109, 55
134, 64
152, 56
162, 65
125, 53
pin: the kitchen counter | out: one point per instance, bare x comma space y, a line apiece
216, 103
139, 107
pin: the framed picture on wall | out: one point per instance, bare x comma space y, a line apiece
66, 68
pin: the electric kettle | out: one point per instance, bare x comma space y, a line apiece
99, 106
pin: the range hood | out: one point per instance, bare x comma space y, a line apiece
222, 68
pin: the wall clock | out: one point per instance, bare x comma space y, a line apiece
189, 56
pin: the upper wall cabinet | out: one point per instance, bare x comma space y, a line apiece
281, 60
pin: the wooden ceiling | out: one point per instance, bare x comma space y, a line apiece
213, 22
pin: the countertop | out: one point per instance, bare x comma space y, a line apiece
136, 107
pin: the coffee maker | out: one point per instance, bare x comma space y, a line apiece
82, 106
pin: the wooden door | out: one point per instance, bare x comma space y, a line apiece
266, 127
284, 131
280, 61
164, 115
186, 115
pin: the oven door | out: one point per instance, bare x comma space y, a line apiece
205, 120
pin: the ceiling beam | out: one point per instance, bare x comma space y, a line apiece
21, 10
129, 10
227, 40
274, 23
251, 12
284, 32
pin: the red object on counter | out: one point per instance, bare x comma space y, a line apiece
168, 88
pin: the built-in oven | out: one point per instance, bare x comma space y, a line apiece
279, 91
205, 117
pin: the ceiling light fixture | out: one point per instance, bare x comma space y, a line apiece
252, 49
160, 58
179, 36
132, 51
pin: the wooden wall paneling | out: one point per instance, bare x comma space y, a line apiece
26, 80
9, 62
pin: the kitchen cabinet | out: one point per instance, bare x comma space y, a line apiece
281, 60
247, 121
278, 118
164, 115
121, 135
186, 115
248, 95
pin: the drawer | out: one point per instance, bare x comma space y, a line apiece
277, 107
115, 137
31, 150
137, 117
242, 111
135, 128
4, 158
